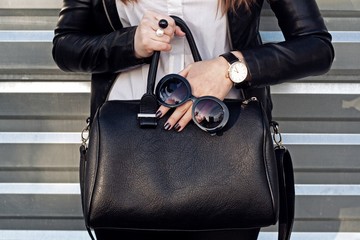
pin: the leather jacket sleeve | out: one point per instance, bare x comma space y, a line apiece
307, 50
81, 45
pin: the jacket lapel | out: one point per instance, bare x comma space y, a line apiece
112, 14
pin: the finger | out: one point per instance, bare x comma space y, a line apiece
144, 47
161, 46
169, 30
149, 41
151, 21
146, 41
186, 118
177, 115
162, 110
164, 38
179, 32
185, 71
172, 28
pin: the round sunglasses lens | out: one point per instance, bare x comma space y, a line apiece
173, 91
208, 113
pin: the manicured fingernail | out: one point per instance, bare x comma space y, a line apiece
158, 114
167, 126
177, 127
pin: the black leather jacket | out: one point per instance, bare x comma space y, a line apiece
89, 37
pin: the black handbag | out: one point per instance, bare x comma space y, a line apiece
136, 176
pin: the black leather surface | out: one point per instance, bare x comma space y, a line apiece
156, 179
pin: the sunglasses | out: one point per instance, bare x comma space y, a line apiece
208, 113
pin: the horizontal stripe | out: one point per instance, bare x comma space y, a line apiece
33, 4
40, 188
84, 87
73, 189
337, 36
313, 236
83, 235
26, 36
40, 138
320, 139
327, 190
267, 36
316, 88
75, 138
45, 87
43, 235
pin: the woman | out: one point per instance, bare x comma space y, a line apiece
114, 39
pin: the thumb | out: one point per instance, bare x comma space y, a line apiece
185, 71
179, 32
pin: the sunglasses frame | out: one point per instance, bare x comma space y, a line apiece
195, 101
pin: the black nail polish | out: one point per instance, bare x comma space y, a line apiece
158, 114
167, 126
177, 127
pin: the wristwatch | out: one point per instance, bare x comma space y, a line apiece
238, 71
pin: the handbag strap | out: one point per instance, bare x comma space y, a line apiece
148, 103
156, 56
286, 186
287, 193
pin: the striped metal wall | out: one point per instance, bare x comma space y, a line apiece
42, 111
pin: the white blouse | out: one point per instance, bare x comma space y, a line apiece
205, 21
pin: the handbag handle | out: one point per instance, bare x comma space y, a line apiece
156, 56
148, 103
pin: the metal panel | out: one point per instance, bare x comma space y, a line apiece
42, 111
33, 55
11, 20
38, 175
34, 4
62, 105
316, 106
50, 124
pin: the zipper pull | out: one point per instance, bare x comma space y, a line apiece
252, 99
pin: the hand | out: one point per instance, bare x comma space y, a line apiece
146, 40
207, 78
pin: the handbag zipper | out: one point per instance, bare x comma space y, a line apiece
252, 99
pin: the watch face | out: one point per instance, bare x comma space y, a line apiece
238, 72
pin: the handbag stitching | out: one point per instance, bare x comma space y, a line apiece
91, 194
266, 163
